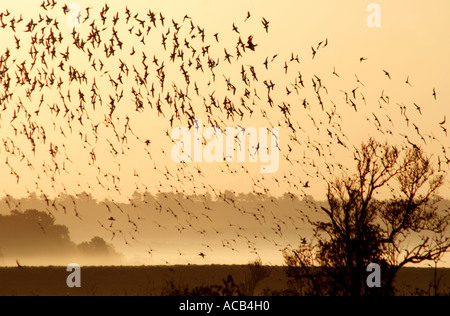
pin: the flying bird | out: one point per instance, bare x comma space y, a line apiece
265, 24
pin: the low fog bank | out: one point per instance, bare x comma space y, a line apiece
33, 238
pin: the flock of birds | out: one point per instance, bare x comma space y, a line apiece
75, 107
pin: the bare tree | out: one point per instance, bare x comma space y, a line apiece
359, 228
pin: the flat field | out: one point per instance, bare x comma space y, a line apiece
162, 280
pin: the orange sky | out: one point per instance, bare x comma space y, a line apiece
410, 43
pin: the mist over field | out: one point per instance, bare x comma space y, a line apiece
144, 232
